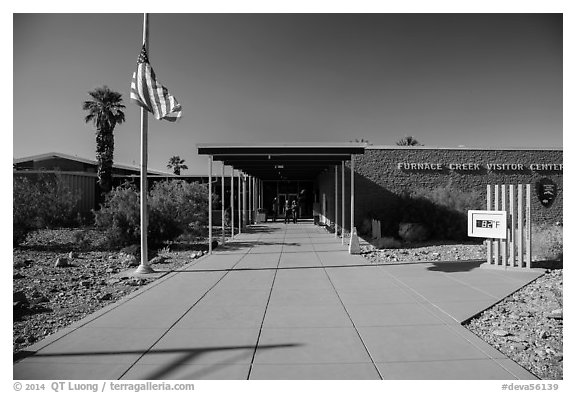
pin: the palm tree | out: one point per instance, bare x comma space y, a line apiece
408, 141
105, 111
176, 164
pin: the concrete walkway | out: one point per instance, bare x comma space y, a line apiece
288, 302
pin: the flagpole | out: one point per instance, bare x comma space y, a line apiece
144, 267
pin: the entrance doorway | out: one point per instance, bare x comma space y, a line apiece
282, 198
286, 190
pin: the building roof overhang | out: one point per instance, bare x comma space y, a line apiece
282, 161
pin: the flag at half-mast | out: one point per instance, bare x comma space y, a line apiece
148, 93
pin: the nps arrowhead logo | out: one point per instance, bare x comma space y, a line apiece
546, 190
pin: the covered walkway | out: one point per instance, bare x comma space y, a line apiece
288, 302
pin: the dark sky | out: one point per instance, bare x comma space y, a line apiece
479, 80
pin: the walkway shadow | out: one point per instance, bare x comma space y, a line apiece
453, 267
187, 354
240, 245
548, 264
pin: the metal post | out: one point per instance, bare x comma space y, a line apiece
343, 203
506, 242
498, 247
144, 267
222, 199
528, 228
520, 226
335, 200
210, 205
232, 203
512, 226
489, 207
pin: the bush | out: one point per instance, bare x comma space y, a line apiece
175, 208
119, 216
547, 242
442, 210
45, 202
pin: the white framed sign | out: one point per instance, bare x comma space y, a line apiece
487, 223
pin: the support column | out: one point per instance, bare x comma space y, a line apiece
343, 203
352, 192
354, 247
335, 200
253, 200
223, 199
240, 202
232, 203
261, 194
210, 206
244, 201
250, 191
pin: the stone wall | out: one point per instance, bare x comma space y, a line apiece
382, 174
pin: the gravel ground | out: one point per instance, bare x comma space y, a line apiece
48, 298
526, 326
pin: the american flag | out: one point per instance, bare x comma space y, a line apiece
148, 93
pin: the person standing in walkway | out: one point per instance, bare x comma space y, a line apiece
294, 211
274, 209
286, 212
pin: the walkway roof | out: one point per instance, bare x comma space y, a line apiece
282, 161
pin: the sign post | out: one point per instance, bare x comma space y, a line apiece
487, 223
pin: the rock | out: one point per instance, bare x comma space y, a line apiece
113, 281
518, 346
543, 334
72, 255
136, 282
412, 232
40, 299
158, 259
86, 284
18, 276
131, 261
556, 314
106, 296
500, 333
22, 263
387, 242
61, 262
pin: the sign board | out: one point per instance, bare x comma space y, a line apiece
546, 190
487, 223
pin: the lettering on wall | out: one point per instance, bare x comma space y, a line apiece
475, 167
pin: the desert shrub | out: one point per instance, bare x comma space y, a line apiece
547, 242
119, 215
175, 208
442, 210
45, 202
